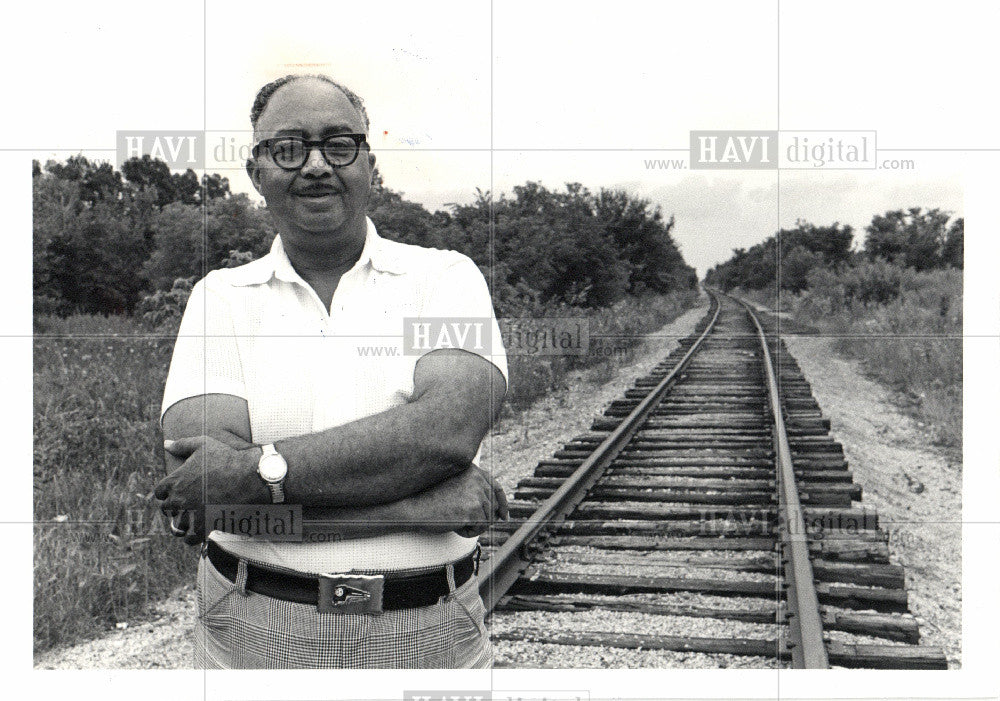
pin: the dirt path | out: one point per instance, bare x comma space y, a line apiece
916, 490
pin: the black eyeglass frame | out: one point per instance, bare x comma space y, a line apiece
309, 145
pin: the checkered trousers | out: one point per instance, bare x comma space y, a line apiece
252, 631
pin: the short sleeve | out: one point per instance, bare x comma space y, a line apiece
206, 356
458, 313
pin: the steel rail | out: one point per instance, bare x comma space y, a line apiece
499, 573
805, 627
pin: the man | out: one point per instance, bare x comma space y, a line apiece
271, 399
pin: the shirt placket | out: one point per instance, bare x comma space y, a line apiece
335, 327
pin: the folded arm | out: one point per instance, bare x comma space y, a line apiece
406, 449
384, 472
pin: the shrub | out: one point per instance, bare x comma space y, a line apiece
166, 307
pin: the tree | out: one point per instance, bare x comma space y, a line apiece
913, 238
216, 186
831, 243
801, 248
953, 251
186, 187
55, 209
103, 238
94, 181
152, 174
94, 264
90, 237
95, 232
401, 220
553, 242
236, 223
795, 268
179, 250
643, 240
190, 242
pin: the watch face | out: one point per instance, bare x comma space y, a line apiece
272, 468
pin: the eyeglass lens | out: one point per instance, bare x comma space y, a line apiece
293, 152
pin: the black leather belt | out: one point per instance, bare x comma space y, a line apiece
348, 592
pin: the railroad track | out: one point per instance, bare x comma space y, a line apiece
713, 497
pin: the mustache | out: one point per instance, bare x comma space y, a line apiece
318, 190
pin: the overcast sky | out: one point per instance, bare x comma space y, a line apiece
572, 94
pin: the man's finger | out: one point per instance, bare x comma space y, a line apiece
184, 447
502, 508
167, 520
172, 505
162, 489
193, 527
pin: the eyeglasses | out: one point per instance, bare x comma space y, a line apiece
292, 152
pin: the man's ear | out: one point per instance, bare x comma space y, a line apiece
253, 170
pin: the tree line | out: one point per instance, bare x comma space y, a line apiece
916, 238
119, 242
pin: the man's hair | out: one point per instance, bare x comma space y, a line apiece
265, 93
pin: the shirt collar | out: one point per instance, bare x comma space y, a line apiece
377, 252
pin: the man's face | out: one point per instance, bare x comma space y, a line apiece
316, 199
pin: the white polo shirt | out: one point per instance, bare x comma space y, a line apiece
260, 332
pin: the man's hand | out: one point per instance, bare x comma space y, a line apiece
211, 472
189, 525
466, 503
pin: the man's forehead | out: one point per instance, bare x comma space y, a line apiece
308, 105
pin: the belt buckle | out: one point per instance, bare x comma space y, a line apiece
350, 593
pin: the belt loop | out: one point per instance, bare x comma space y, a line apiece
449, 573
241, 577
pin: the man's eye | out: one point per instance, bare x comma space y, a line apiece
286, 150
339, 147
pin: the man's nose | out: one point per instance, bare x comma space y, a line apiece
315, 163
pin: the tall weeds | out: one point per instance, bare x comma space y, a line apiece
912, 342
614, 333
100, 551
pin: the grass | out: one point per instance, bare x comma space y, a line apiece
614, 332
101, 554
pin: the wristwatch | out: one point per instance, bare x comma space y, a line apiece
272, 468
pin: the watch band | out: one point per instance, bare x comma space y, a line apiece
277, 488
268, 449
277, 492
